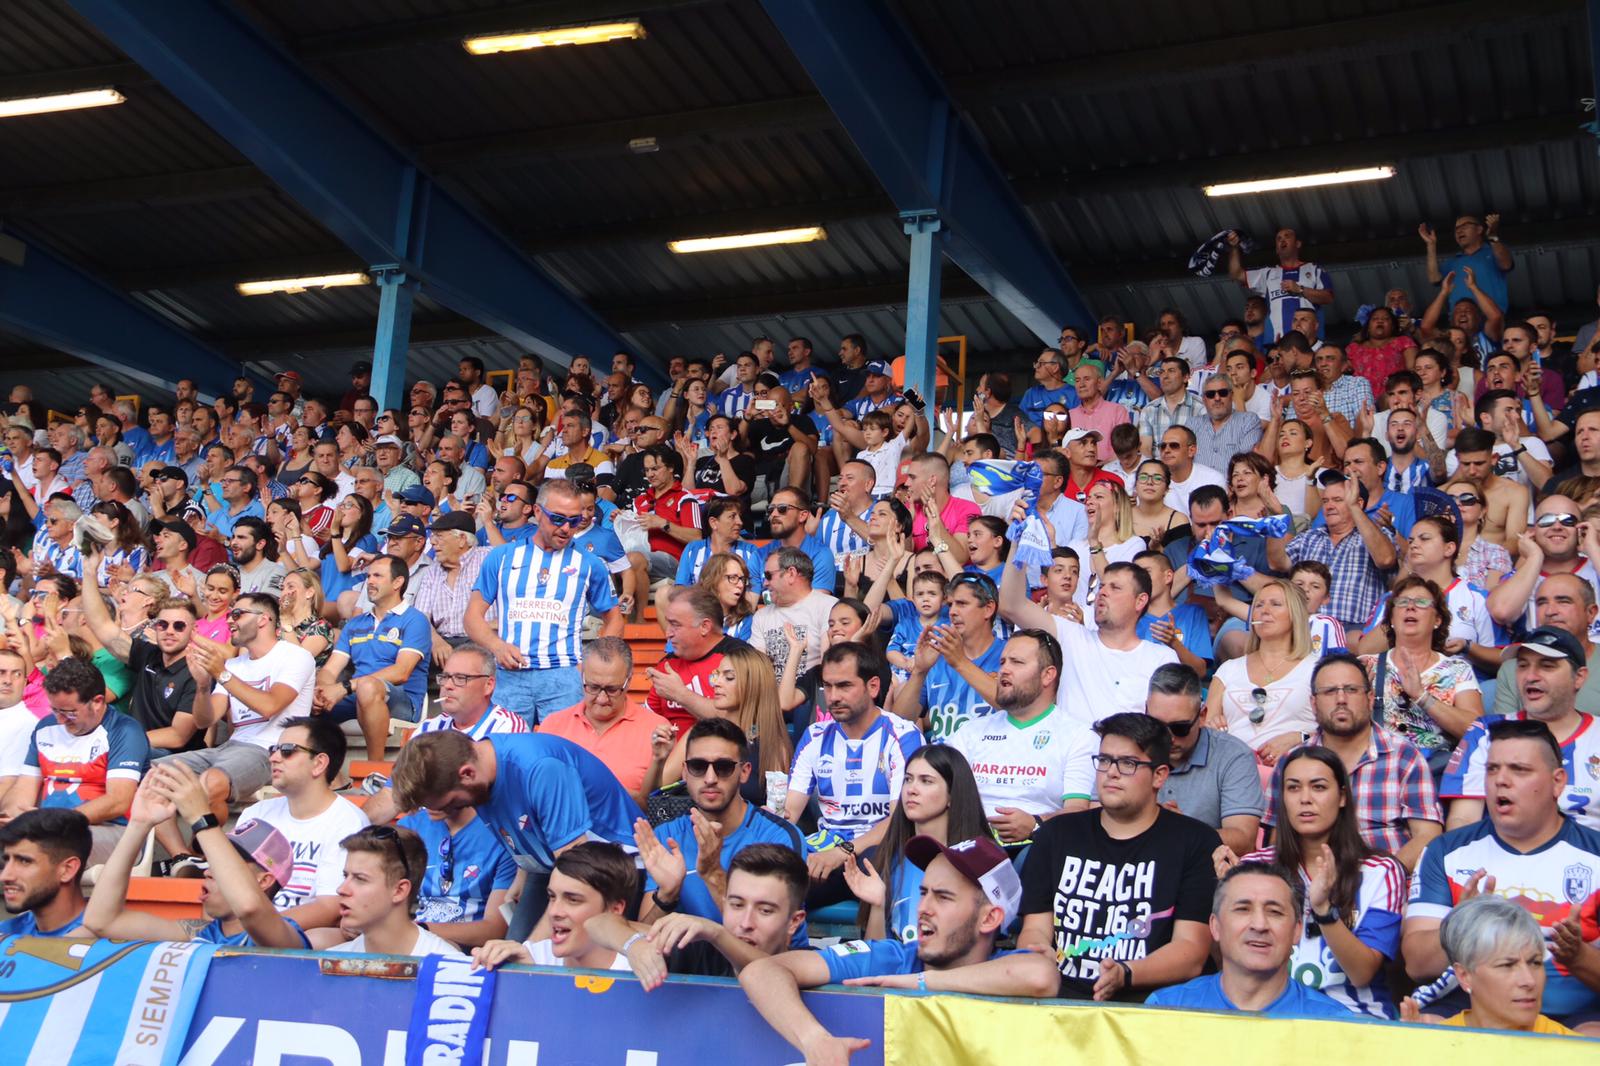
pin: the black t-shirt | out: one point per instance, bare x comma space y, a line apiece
708, 472
159, 691
1116, 899
770, 442
628, 481
847, 383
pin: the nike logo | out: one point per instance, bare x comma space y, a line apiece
768, 446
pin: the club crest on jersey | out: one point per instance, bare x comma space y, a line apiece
1041, 739
544, 575
1593, 766
522, 821
1577, 882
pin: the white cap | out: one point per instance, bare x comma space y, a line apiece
388, 438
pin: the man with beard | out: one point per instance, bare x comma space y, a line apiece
1031, 760
249, 545
1412, 457
970, 893
42, 857
687, 859
1390, 785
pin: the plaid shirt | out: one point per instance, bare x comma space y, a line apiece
1358, 584
446, 607
1155, 417
1348, 395
1216, 445
1391, 785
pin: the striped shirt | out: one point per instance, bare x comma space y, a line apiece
544, 598
1156, 417
1358, 584
62, 558
864, 405
495, 720
836, 533
695, 554
733, 402
856, 782
1348, 395
1418, 475
1216, 445
1281, 305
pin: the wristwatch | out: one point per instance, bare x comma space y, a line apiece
940, 547
1328, 917
224, 677
204, 822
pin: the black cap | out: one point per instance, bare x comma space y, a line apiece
460, 521
171, 473
1554, 643
180, 527
362, 367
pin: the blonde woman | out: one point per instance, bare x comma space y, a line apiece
745, 691
1264, 698
728, 577
522, 434
300, 614
1111, 537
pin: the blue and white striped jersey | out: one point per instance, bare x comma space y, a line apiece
833, 531
733, 402
856, 782
695, 554
1281, 305
543, 599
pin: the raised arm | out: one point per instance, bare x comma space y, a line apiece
105, 630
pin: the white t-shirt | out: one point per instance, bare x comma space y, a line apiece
427, 944
1192, 350
1438, 427
544, 954
885, 459
1178, 492
17, 724
1286, 701
286, 664
1034, 767
1260, 403
485, 401
318, 858
1507, 465
1097, 681
809, 618
1088, 581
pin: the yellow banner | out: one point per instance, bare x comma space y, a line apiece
928, 1030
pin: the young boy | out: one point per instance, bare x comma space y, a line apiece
591, 879
882, 449
1183, 627
383, 869
924, 608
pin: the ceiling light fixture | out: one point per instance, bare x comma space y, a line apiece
1300, 181
598, 33
74, 101
324, 281
799, 235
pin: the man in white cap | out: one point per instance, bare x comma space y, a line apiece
970, 894
387, 451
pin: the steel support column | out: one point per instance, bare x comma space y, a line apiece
396, 292
922, 301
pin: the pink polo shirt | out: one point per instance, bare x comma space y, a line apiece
955, 516
624, 747
1106, 416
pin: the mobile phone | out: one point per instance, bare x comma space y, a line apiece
766, 405
915, 400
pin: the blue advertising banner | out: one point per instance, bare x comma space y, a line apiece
293, 1010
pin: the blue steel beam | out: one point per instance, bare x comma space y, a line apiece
896, 109
354, 181
57, 305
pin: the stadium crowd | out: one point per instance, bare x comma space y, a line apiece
1247, 672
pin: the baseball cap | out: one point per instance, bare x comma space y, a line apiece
388, 440
880, 368
417, 494
1080, 434
459, 521
171, 473
263, 845
407, 526
362, 367
293, 375
1553, 643
182, 529
981, 861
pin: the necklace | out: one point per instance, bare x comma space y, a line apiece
1272, 675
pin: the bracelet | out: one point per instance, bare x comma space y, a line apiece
922, 980
627, 945
1127, 973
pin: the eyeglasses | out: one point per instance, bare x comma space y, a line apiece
1183, 729
461, 679
559, 520
1151, 479
1347, 691
287, 749
1546, 521
1212, 394
1467, 499
1170, 444
736, 579
1258, 708
610, 692
1418, 602
1126, 765
722, 767
162, 625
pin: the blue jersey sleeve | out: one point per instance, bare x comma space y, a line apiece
130, 749
1380, 931
415, 633
553, 792
685, 574
1430, 895
870, 958
598, 584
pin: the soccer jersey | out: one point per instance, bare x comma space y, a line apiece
1580, 800
1551, 883
1380, 901
213, 934
543, 598
25, 924
841, 540
695, 554
1034, 766
1281, 305
950, 701
373, 644
76, 769
1207, 994
758, 827
1327, 635
495, 720
904, 896
464, 868
549, 793
856, 782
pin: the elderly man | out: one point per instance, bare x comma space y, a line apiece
443, 589
238, 501
631, 740
55, 551
1564, 601
1049, 375
453, 450
795, 603
1214, 777
1094, 412
386, 455
680, 684
1224, 432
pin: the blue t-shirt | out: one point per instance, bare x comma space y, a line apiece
335, 581
824, 574
600, 543
549, 793
950, 701
1490, 278
797, 381
1036, 399
758, 827
522, 532
874, 958
904, 897
1205, 993
908, 627
1194, 629
477, 863
213, 934
25, 924
374, 645
223, 520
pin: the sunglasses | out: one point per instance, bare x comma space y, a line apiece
1546, 521
447, 864
239, 612
1467, 499
1212, 394
1183, 729
287, 749
723, 767
162, 625
559, 520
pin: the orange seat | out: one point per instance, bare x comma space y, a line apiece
173, 898
360, 768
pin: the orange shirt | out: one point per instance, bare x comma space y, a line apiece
1541, 1024
624, 747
